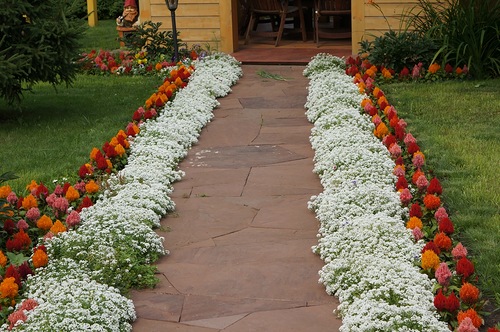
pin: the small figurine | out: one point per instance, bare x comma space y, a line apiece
129, 17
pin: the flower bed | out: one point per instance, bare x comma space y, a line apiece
79, 267
385, 237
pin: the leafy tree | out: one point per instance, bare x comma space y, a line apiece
39, 41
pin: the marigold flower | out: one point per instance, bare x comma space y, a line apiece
58, 227
442, 241
72, 194
8, 288
465, 267
443, 274
469, 293
432, 202
5, 191
459, 251
434, 68
414, 222
40, 258
430, 260
44, 223
29, 202
3, 259
477, 321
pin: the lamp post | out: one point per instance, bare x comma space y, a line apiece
172, 6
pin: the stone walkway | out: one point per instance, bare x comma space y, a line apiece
241, 236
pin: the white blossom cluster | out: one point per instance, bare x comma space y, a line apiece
75, 291
369, 255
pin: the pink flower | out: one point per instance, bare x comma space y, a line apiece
422, 182
29, 304
409, 139
48, 236
59, 190
395, 150
418, 160
405, 196
50, 199
416, 72
80, 186
33, 213
440, 214
399, 171
443, 274
459, 251
22, 224
15, 317
402, 123
61, 204
467, 326
12, 198
376, 120
417, 233
73, 219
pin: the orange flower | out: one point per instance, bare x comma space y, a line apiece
72, 194
5, 191
376, 91
158, 66
93, 153
40, 258
119, 150
114, 142
29, 202
416, 175
9, 288
370, 73
469, 293
432, 202
386, 73
414, 222
434, 68
91, 187
110, 165
58, 227
477, 321
44, 223
442, 241
458, 71
361, 87
32, 185
381, 130
3, 259
178, 81
430, 260
382, 100
366, 101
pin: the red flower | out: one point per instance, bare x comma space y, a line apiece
86, 202
83, 171
389, 140
401, 183
412, 148
66, 186
448, 68
452, 303
431, 246
465, 267
41, 190
469, 293
25, 270
137, 115
9, 226
434, 187
399, 132
416, 210
404, 73
442, 241
102, 164
446, 226
14, 273
440, 301
432, 202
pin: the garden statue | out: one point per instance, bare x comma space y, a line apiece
129, 17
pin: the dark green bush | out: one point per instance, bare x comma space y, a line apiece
106, 9
466, 31
396, 50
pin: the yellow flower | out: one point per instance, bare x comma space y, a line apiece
72, 194
8, 288
29, 202
58, 227
44, 223
5, 191
91, 187
430, 260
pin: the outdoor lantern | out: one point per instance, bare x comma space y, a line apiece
172, 6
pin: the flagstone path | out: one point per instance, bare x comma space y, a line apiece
240, 238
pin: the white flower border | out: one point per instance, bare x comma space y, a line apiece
70, 296
369, 254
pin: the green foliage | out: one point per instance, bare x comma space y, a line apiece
396, 50
39, 43
157, 44
466, 31
102, 36
106, 9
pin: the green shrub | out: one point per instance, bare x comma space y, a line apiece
466, 31
396, 50
106, 9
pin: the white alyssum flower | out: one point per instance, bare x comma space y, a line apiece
369, 254
75, 291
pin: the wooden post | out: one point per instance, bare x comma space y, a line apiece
92, 12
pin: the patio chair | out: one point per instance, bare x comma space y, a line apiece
338, 16
269, 10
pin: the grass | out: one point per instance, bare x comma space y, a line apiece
456, 125
54, 132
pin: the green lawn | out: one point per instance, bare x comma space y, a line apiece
457, 126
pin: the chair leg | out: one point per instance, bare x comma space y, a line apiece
249, 28
281, 28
